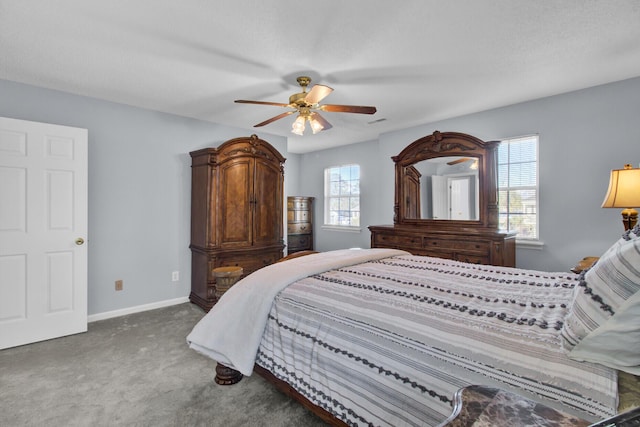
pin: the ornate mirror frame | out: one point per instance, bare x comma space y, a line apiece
447, 144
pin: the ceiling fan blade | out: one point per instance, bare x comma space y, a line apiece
277, 104
273, 119
325, 124
455, 162
361, 109
317, 94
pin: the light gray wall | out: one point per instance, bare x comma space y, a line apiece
292, 175
139, 179
583, 135
312, 167
139, 189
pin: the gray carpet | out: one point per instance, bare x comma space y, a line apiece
135, 370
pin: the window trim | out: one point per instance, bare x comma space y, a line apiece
341, 228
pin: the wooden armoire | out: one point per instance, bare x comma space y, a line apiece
236, 211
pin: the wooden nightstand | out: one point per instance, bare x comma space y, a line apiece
584, 264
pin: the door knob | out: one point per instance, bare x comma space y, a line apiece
79, 241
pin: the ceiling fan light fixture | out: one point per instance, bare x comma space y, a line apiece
298, 126
316, 126
307, 105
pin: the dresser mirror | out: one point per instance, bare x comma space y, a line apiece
443, 188
446, 179
423, 227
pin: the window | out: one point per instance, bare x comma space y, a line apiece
518, 186
342, 196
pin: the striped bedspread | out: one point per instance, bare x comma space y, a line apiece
388, 342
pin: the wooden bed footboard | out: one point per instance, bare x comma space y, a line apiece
296, 255
284, 387
229, 376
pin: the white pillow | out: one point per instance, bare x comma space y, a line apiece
617, 342
605, 287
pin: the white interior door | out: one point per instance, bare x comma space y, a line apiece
439, 197
459, 197
43, 228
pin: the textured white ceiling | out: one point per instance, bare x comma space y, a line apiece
415, 60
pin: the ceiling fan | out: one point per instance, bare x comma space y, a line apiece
306, 104
460, 160
474, 165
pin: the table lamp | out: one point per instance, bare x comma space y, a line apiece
624, 192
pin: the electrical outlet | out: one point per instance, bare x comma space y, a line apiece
119, 285
175, 276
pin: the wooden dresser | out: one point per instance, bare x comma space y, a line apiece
236, 211
446, 202
474, 245
299, 224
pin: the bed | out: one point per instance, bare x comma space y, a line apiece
383, 337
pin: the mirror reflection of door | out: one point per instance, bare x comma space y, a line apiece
439, 197
459, 197
432, 198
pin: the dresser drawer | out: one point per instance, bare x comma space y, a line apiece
299, 241
434, 253
297, 204
297, 216
394, 240
472, 259
457, 245
299, 228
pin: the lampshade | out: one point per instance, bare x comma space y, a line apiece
298, 125
624, 189
316, 126
624, 192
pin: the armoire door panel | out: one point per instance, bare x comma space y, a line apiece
235, 202
268, 207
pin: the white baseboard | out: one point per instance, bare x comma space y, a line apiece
136, 309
